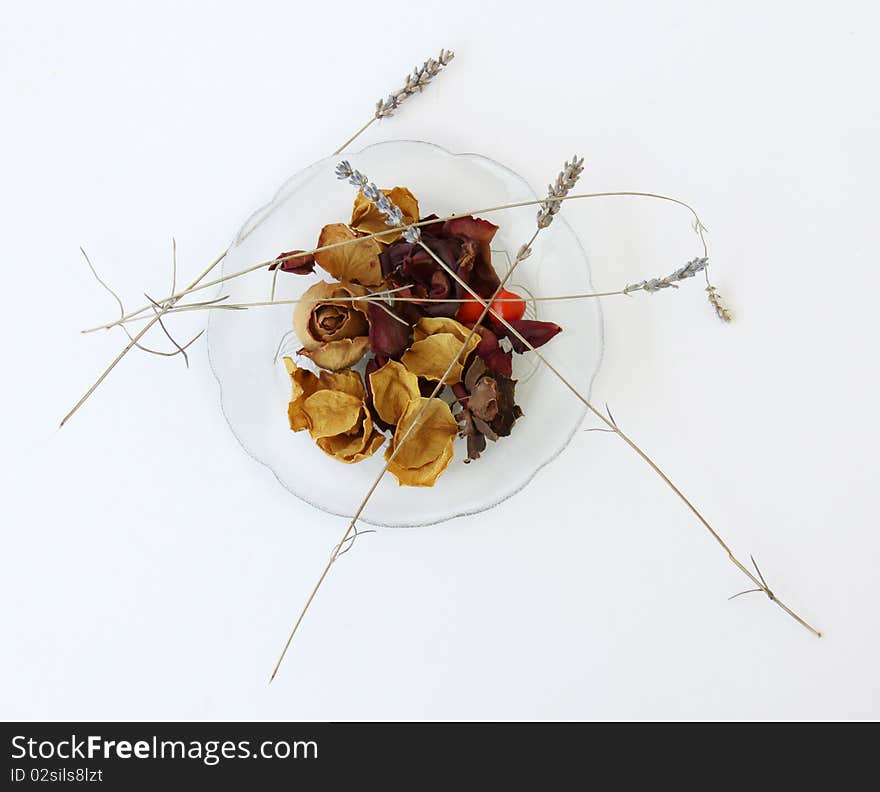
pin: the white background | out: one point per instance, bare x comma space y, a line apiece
151, 570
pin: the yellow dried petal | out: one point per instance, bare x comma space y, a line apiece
426, 475
431, 357
356, 446
338, 355
346, 381
431, 325
393, 389
358, 262
303, 383
331, 412
367, 219
435, 428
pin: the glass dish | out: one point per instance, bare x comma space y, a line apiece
245, 347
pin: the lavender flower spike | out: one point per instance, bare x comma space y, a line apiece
415, 83
655, 284
393, 215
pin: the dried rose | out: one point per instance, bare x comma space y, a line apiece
297, 262
334, 333
428, 450
367, 219
436, 345
462, 244
357, 262
331, 407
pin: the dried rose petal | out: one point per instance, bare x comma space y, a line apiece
294, 263
535, 332
388, 336
357, 262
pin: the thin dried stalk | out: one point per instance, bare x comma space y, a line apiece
421, 77
523, 254
484, 210
546, 217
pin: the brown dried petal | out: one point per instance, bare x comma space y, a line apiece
393, 389
483, 401
358, 262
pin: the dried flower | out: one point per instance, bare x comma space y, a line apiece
565, 182
415, 82
332, 408
334, 332
655, 284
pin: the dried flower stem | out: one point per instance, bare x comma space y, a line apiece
414, 84
484, 210
609, 421
524, 253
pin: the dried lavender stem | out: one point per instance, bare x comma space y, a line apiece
363, 504
481, 211
379, 298
612, 425
171, 300
524, 252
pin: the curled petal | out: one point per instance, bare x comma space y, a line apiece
428, 449
536, 333
393, 388
295, 261
304, 383
358, 261
338, 355
438, 343
354, 446
331, 413
427, 474
493, 355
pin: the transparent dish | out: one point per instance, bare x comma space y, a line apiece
246, 347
